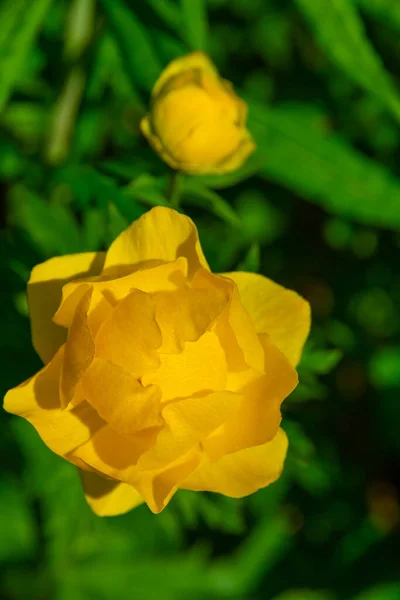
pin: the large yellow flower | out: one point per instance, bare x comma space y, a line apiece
196, 121
158, 374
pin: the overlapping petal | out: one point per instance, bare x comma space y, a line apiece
120, 399
115, 283
199, 368
38, 401
160, 234
273, 309
108, 497
241, 473
130, 337
44, 295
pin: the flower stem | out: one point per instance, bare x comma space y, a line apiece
175, 189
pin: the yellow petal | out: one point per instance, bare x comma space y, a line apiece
258, 417
108, 497
38, 401
185, 314
131, 336
236, 159
199, 368
241, 473
189, 62
158, 487
44, 295
188, 422
120, 399
117, 282
116, 456
234, 326
160, 234
281, 313
79, 351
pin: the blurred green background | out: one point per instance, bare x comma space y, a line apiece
317, 208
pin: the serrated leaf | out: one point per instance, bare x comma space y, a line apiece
15, 48
142, 62
323, 168
340, 33
194, 23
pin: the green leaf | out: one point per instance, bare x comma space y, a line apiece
142, 62
18, 535
194, 26
20, 24
303, 594
384, 368
385, 11
385, 591
194, 192
256, 557
93, 229
251, 262
323, 168
168, 11
340, 33
87, 184
51, 227
320, 361
147, 190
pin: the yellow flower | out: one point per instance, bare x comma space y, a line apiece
197, 122
158, 374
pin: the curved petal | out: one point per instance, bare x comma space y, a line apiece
281, 313
241, 473
38, 401
200, 367
234, 326
44, 296
131, 336
258, 417
184, 315
117, 456
78, 351
160, 234
194, 61
188, 422
120, 399
116, 283
107, 497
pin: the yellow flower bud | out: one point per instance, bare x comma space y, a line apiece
196, 121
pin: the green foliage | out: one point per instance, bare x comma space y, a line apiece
20, 24
316, 208
324, 168
341, 35
194, 26
141, 60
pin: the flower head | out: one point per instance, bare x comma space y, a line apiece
196, 121
158, 374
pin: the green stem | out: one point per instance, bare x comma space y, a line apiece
175, 189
